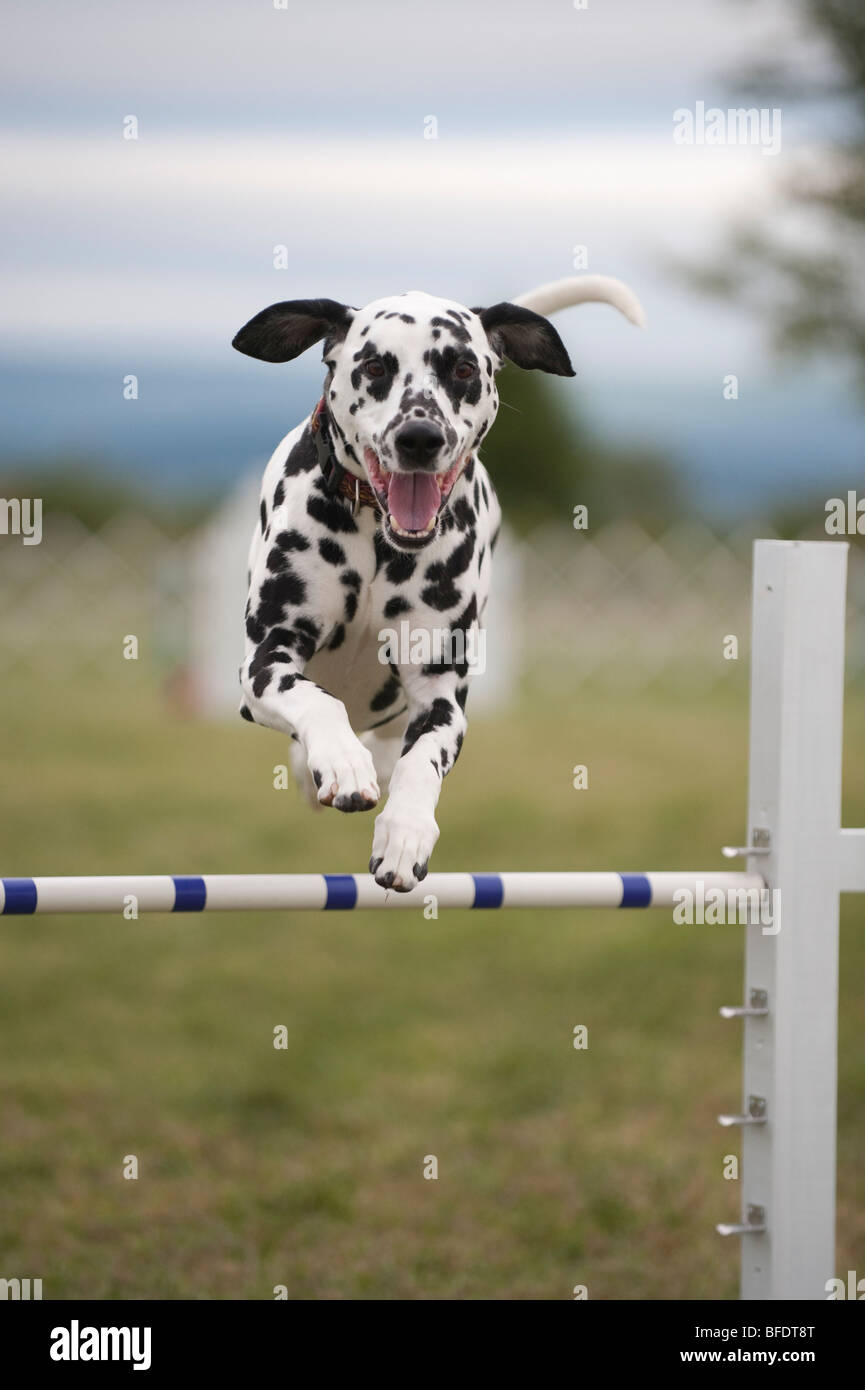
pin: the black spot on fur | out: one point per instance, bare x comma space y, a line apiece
439, 714
303, 457
331, 551
263, 514
278, 593
245, 713
395, 606
457, 328
331, 513
377, 387
400, 568
443, 363
441, 592
464, 515
261, 682
308, 626
462, 625
276, 560
351, 579
292, 540
337, 639
388, 694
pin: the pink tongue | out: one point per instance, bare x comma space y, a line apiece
413, 500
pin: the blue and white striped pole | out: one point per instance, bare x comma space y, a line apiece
342, 892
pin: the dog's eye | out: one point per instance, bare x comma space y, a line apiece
465, 369
374, 367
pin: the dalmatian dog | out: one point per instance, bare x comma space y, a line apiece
378, 516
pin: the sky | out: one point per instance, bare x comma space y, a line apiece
303, 127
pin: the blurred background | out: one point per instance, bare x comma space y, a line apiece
169, 171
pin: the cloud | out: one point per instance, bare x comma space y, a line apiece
166, 244
228, 63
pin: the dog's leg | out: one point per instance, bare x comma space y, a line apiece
406, 830
278, 695
302, 775
385, 748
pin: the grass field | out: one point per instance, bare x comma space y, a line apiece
407, 1037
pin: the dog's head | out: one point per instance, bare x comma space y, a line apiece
410, 387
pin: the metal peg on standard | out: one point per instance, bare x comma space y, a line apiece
754, 1224
757, 1006
761, 843
756, 1114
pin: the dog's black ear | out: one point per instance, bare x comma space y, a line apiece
286, 330
526, 338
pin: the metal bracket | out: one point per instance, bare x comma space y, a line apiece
754, 1224
757, 1007
761, 843
756, 1114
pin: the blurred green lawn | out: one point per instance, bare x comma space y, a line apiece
407, 1037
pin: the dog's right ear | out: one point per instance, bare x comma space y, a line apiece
286, 330
527, 338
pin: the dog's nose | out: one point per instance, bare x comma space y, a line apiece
418, 442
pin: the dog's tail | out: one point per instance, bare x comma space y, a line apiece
582, 289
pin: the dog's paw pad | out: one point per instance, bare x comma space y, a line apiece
357, 801
344, 775
402, 845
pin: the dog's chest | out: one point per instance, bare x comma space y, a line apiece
402, 596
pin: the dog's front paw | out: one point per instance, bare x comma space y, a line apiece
401, 847
344, 773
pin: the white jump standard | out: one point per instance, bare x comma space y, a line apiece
795, 849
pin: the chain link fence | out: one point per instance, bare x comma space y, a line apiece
616, 609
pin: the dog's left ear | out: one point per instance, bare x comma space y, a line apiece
286, 330
526, 338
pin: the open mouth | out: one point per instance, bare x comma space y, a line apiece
411, 502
